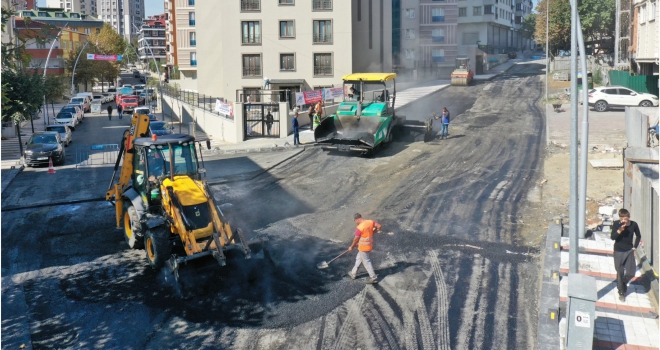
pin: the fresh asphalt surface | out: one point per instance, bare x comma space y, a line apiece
452, 273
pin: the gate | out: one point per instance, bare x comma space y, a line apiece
261, 120
479, 65
96, 156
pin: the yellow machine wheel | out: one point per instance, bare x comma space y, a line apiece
133, 233
158, 247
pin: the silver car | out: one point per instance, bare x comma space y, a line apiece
63, 130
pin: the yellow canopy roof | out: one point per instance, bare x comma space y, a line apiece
369, 77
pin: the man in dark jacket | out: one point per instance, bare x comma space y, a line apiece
295, 126
109, 112
623, 231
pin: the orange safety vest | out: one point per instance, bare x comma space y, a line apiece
367, 238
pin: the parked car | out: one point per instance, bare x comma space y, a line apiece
75, 110
88, 95
63, 130
128, 103
127, 85
99, 98
160, 128
83, 101
513, 55
66, 118
42, 146
107, 97
142, 98
145, 110
136, 74
604, 97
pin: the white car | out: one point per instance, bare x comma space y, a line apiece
99, 98
82, 100
66, 118
76, 109
604, 97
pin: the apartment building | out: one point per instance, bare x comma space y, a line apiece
181, 40
124, 15
151, 39
293, 44
426, 36
644, 37
77, 22
87, 7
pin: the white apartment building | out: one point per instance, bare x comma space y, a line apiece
645, 50
181, 40
297, 45
124, 15
151, 40
88, 7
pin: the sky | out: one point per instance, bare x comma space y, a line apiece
152, 7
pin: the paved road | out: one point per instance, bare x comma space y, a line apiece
452, 275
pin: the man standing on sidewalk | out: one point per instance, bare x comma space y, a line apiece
109, 112
364, 238
296, 128
624, 250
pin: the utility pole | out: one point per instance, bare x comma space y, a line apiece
547, 51
573, 188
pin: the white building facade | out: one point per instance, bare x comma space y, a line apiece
88, 7
123, 15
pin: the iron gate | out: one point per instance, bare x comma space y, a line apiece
261, 120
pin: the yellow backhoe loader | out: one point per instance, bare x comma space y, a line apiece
161, 199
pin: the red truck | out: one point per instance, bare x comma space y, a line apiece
128, 103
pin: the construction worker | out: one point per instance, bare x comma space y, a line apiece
319, 113
364, 238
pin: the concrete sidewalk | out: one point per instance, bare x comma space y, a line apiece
497, 70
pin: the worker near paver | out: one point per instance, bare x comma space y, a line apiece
310, 113
318, 114
623, 231
444, 120
364, 238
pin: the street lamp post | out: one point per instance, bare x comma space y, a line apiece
160, 83
46, 68
73, 74
547, 53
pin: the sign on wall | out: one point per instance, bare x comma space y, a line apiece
224, 108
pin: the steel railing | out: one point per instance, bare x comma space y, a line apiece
250, 5
202, 101
322, 4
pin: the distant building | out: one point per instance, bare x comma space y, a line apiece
37, 45
181, 41
643, 49
77, 22
124, 15
151, 40
87, 7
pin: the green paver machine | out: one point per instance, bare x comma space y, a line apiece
365, 120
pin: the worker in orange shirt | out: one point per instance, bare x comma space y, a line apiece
364, 238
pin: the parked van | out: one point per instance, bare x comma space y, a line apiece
88, 95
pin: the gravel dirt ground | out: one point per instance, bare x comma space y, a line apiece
457, 262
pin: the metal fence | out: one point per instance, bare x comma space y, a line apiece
193, 98
96, 156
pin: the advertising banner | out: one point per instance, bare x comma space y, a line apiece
332, 93
224, 108
95, 57
308, 97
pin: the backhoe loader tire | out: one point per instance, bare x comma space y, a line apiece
158, 247
133, 231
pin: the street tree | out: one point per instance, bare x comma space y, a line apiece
85, 70
529, 26
54, 89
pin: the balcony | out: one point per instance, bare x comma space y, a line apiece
252, 39
322, 4
251, 72
438, 39
250, 5
193, 63
322, 70
437, 18
323, 38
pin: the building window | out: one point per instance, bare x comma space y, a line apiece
488, 10
250, 5
287, 61
59, 15
642, 14
322, 4
410, 13
476, 11
193, 59
286, 29
251, 32
438, 15
322, 64
652, 12
322, 31
251, 65
518, 19
286, 2
191, 2
438, 35
462, 12
193, 39
410, 54
438, 55
410, 34
191, 18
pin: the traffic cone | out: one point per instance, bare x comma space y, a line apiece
51, 168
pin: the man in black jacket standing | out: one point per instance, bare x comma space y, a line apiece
624, 250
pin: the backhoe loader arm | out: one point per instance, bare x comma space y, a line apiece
139, 128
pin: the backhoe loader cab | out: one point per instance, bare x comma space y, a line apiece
162, 200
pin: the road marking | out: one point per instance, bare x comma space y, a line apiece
467, 316
444, 342
116, 127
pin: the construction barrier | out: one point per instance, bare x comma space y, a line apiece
96, 156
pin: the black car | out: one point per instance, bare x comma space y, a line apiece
43, 146
513, 55
160, 128
136, 74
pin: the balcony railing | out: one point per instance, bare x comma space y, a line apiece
438, 18
438, 39
251, 72
252, 39
322, 4
191, 22
322, 70
250, 5
193, 42
193, 63
323, 38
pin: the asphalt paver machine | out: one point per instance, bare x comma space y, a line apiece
162, 200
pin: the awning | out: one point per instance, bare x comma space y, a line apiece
287, 81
